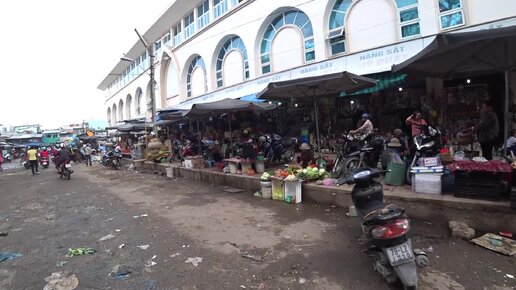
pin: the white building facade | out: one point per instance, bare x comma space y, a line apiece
215, 49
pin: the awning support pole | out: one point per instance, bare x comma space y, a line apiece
506, 112
317, 127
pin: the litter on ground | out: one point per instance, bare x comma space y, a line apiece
106, 237
194, 261
61, 281
6, 256
143, 247
497, 243
80, 251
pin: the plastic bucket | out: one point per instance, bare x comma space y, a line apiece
266, 189
260, 167
170, 172
396, 176
233, 167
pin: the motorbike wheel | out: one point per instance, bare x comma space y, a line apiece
351, 164
68, 175
336, 171
289, 155
26, 165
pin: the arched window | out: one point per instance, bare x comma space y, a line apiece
227, 59
291, 18
408, 18
121, 110
115, 120
196, 77
128, 105
336, 32
138, 97
109, 116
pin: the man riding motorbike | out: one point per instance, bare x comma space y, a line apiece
63, 156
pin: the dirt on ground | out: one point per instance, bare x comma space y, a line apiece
148, 232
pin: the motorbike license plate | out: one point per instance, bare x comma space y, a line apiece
68, 165
45, 163
400, 254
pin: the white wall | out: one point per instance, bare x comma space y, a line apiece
370, 24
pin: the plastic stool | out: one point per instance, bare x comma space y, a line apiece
209, 163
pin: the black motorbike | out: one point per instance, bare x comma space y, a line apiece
275, 148
366, 156
426, 144
348, 144
386, 230
113, 159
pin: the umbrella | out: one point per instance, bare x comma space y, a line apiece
465, 53
317, 87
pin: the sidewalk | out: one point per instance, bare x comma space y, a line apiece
480, 214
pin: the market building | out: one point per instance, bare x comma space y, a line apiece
210, 50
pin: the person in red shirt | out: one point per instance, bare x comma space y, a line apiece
44, 153
415, 121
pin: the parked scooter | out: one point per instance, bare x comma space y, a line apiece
386, 229
426, 144
112, 158
348, 144
275, 148
367, 156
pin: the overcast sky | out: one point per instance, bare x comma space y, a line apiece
54, 54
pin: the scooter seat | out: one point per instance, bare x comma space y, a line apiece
383, 214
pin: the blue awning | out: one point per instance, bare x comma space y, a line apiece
252, 98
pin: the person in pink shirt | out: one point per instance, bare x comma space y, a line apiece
415, 121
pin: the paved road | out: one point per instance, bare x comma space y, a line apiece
302, 246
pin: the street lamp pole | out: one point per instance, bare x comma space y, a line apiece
152, 95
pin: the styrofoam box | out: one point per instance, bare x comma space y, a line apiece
428, 183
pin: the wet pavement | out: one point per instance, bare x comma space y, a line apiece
148, 232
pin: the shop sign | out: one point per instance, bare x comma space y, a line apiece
372, 61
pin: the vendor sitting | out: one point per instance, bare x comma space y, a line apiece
307, 156
393, 147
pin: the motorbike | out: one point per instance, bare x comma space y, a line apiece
25, 162
426, 144
366, 156
349, 143
275, 148
65, 170
44, 162
7, 157
386, 230
112, 158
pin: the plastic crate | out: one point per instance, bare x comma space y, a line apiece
278, 189
479, 185
293, 191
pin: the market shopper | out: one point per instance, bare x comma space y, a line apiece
307, 155
487, 129
32, 155
415, 121
1, 157
365, 126
511, 143
87, 154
